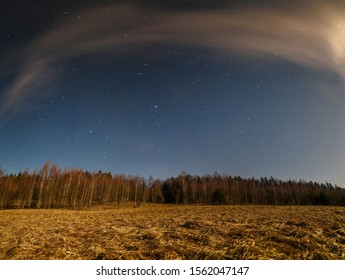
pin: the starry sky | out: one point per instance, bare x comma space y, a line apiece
246, 88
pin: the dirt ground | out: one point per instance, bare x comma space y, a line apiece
192, 232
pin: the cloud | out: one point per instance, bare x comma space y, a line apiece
312, 35
35, 74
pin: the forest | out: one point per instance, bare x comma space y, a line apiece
52, 187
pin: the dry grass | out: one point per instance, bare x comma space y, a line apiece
175, 232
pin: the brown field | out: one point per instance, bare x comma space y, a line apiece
175, 232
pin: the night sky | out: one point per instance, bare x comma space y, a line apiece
246, 88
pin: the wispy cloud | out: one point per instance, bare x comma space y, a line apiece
312, 36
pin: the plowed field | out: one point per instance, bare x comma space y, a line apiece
175, 232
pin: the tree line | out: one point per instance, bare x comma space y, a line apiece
52, 187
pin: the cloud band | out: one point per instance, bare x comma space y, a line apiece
313, 36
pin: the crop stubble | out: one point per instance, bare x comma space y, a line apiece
175, 232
